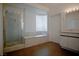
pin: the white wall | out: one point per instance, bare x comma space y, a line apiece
29, 20
30, 26
54, 28
1, 31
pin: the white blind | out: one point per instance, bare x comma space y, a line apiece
41, 22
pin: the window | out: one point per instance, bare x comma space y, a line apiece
41, 23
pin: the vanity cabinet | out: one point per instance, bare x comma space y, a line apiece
64, 41
70, 43
70, 30
74, 43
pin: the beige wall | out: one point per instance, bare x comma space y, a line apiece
1, 31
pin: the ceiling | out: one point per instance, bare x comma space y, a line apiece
59, 7
49, 5
53, 8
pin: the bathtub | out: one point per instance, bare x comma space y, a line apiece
29, 41
35, 40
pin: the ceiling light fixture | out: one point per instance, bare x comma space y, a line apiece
71, 10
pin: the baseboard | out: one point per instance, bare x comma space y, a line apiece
72, 50
13, 48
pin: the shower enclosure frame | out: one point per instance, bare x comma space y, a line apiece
20, 42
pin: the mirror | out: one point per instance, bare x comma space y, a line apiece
70, 22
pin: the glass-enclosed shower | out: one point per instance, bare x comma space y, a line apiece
12, 25
21, 24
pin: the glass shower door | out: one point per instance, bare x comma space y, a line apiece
12, 26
